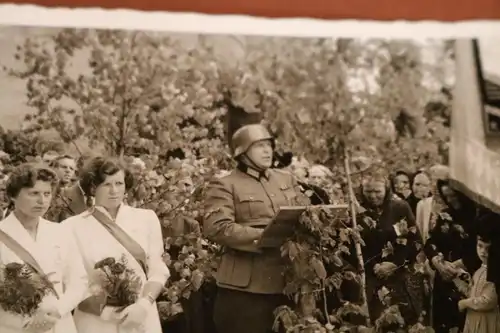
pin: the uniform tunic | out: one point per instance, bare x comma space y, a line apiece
236, 206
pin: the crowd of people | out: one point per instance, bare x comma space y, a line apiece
438, 237
436, 271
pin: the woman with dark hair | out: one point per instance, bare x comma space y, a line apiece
112, 229
493, 272
401, 185
421, 188
481, 303
47, 248
450, 249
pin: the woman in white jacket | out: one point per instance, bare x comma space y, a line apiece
113, 229
48, 247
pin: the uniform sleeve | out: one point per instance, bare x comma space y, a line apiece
486, 301
219, 223
75, 279
157, 269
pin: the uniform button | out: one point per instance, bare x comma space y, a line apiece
250, 197
272, 195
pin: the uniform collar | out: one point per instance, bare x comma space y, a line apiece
253, 172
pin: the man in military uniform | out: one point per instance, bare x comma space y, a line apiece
238, 207
70, 201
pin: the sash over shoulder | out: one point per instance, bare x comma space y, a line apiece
24, 255
123, 238
95, 304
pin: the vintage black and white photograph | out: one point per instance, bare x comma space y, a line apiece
216, 183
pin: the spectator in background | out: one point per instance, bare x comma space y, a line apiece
321, 181
420, 189
78, 202
451, 247
137, 166
381, 223
401, 184
421, 185
65, 167
70, 200
319, 175
300, 169
49, 156
481, 305
425, 208
432, 203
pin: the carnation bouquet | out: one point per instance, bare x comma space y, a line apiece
119, 283
22, 291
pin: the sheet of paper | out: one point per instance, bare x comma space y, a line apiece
287, 220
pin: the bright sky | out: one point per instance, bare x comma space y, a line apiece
431, 51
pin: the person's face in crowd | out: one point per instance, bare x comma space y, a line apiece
186, 185
66, 168
48, 157
374, 191
261, 153
450, 196
317, 176
136, 169
421, 186
402, 184
35, 201
482, 249
298, 170
111, 192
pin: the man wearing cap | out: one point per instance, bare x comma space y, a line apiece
238, 207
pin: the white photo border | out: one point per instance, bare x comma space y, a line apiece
127, 19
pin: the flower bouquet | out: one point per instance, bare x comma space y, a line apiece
120, 284
22, 292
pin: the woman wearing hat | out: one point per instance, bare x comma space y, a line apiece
238, 207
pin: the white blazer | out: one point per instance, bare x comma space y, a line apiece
56, 252
96, 243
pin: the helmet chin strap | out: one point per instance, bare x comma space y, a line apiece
251, 163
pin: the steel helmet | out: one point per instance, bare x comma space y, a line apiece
245, 136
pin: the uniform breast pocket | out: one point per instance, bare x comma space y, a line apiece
290, 195
251, 206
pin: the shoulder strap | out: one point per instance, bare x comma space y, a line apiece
24, 255
122, 237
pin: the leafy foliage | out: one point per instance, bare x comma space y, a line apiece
117, 281
322, 238
22, 289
